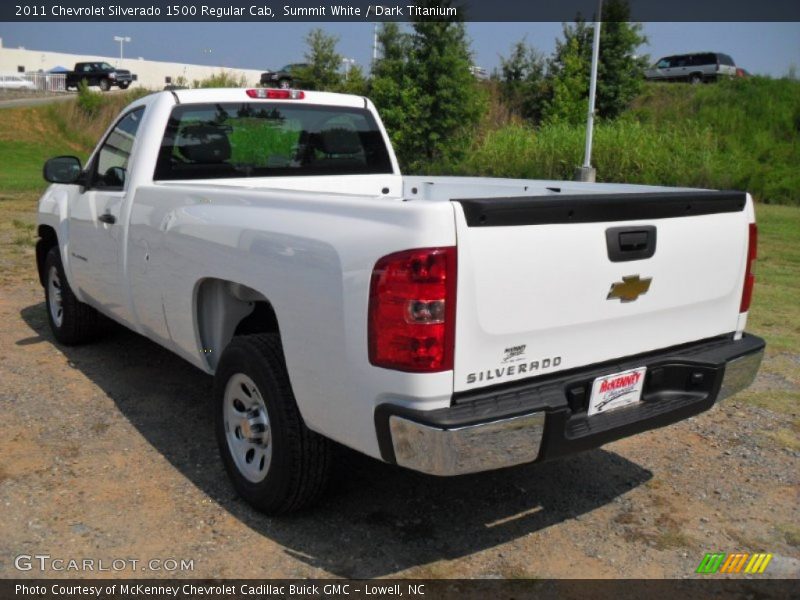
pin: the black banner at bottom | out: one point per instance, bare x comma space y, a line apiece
381, 589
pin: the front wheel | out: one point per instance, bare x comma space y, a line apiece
71, 321
285, 84
275, 462
124, 86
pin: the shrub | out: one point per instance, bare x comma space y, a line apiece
223, 79
89, 101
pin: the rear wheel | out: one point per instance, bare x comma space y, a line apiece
695, 78
275, 462
71, 321
105, 85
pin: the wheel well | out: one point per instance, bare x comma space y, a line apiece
47, 239
261, 320
226, 309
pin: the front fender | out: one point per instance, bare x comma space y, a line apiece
53, 212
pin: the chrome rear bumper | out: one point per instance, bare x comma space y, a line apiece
468, 449
739, 374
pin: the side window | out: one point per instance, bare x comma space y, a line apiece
110, 167
664, 63
701, 60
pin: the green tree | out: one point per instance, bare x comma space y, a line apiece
450, 105
324, 62
392, 89
568, 100
619, 72
423, 87
524, 87
355, 82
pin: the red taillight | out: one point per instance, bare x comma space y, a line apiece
275, 94
749, 278
412, 309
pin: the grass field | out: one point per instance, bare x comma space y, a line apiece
739, 134
30, 135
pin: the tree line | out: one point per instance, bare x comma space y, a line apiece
431, 103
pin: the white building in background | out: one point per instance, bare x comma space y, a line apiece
151, 74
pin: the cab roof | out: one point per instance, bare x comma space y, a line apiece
203, 95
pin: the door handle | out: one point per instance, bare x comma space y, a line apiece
630, 243
107, 218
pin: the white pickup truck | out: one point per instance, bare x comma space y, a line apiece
448, 325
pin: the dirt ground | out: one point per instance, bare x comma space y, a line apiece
107, 452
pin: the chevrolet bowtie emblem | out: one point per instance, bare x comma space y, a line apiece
629, 289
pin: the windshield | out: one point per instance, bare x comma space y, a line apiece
213, 141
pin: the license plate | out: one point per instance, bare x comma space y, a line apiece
615, 391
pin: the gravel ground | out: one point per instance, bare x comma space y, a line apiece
107, 452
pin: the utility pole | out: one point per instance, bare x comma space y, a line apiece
374, 47
587, 172
348, 64
122, 41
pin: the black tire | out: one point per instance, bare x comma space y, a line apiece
105, 85
300, 463
695, 78
285, 84
124, 86
79, 323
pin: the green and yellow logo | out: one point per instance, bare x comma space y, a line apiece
737, 562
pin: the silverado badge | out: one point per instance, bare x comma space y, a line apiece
629, 289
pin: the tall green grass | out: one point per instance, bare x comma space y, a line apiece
742, 134
623, 151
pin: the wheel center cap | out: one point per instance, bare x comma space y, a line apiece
247, 430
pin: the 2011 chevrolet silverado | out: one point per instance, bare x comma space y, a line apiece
448, 325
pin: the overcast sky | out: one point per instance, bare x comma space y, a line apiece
763, 48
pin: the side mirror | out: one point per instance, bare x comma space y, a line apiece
62, 169
114, 177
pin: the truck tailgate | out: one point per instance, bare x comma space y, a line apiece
549, 284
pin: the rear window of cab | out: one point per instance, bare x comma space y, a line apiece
252, 139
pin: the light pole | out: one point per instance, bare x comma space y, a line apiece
122, 41
586, 172
374, 47
348, 63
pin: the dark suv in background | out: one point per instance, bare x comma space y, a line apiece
285, 77
694, 68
